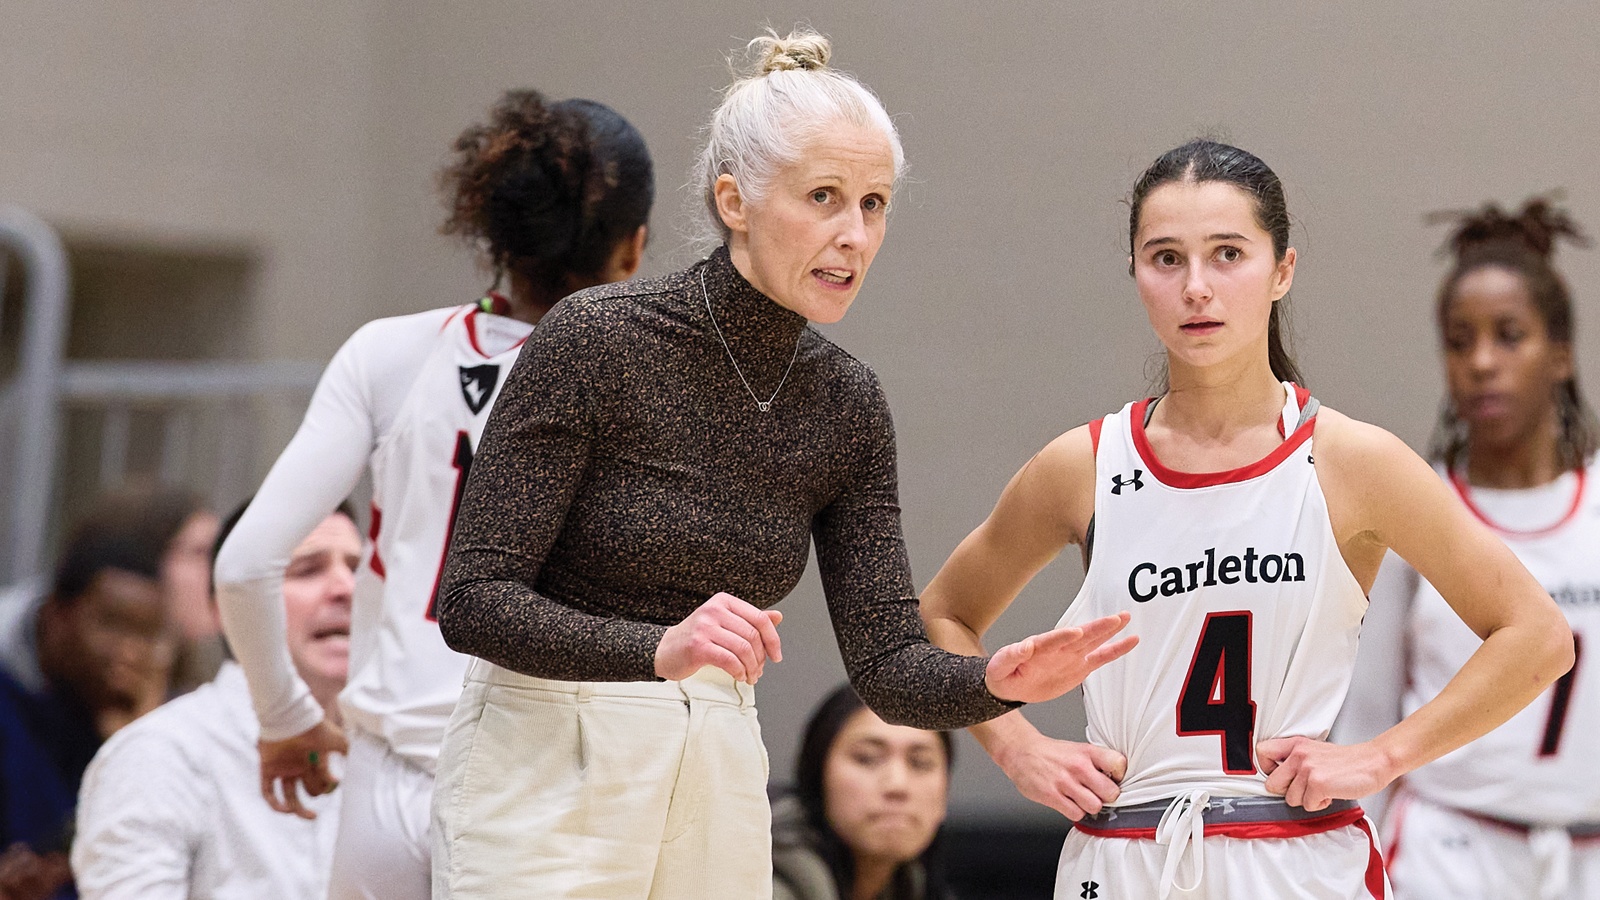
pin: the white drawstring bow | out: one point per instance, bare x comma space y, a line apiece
1182, 828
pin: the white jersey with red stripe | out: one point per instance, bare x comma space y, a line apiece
407, 397
1246, 613
404, 681
1537, 768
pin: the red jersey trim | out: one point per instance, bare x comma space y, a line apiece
375, 562
1377, 883
452, 317
472, 334
1249, 830
1301, 398
1094, 435
1464, 491
1190, 480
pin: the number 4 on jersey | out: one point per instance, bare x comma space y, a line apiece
1216, 694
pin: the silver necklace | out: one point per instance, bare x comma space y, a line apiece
762, 405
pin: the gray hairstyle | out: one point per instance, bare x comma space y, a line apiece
766, 119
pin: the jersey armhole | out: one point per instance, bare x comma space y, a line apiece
1094, 436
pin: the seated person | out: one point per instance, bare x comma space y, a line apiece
170, 807
868, 801
81, 661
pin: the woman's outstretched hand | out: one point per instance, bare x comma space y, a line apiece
724, 632
1045, 666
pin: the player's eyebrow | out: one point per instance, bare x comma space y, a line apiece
1219, 236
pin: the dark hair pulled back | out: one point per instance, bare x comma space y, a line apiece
821, 733
1202, 160
1524, 245
548, 190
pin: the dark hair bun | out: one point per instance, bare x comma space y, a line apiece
1537, 228
548, 188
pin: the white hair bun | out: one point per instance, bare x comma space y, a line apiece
803, 50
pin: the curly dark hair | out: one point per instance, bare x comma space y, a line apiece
1523, 244
548, 190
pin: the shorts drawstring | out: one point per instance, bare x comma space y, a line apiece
1183, 828
1551, 847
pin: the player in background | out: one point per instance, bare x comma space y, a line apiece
1240, 524
1515, 813
557, 195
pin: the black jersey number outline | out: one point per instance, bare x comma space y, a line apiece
1216, 692
1560, 704
461, 461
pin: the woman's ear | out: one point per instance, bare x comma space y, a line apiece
730, 203
627, 256
1283, 275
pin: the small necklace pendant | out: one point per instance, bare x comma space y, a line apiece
764, 406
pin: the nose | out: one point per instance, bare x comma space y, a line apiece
1195, 286
341, 583
1483, 357
897, 778
852, 233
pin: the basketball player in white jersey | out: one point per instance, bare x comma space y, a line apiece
1516, 813
558, 194
1239, 524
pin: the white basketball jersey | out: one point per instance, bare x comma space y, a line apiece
404, 681
1539, 767
1246, 614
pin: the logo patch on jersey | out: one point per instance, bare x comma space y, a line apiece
477, 385
1091, 890
1118, 482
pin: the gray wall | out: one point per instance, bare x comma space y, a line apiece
999, 312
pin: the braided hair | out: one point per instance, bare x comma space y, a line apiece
1523, 244
548, 190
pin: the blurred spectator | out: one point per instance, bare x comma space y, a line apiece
175, 527
77, 664
171, 806
864, 818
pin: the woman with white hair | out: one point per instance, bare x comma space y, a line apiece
667, 441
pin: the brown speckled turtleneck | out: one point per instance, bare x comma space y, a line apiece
626, 475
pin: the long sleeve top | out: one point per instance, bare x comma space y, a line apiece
171, 808
626, 475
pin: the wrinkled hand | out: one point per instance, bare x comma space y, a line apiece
1311, 774
1045, 666
26, 875
724, 632
300, 761
1071, 778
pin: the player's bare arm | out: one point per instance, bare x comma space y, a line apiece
1046, 506
1381, 495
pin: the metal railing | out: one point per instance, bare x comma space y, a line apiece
34, 405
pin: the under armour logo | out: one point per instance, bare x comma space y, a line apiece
477, 385
1117, 481
1091, 889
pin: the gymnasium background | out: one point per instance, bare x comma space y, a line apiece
254, 180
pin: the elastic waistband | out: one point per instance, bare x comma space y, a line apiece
1239, 817
709, 685
1576, 830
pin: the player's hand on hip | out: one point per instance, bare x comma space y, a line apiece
300, 762
1071, 778
1311, 774
1045, 666
724, 632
